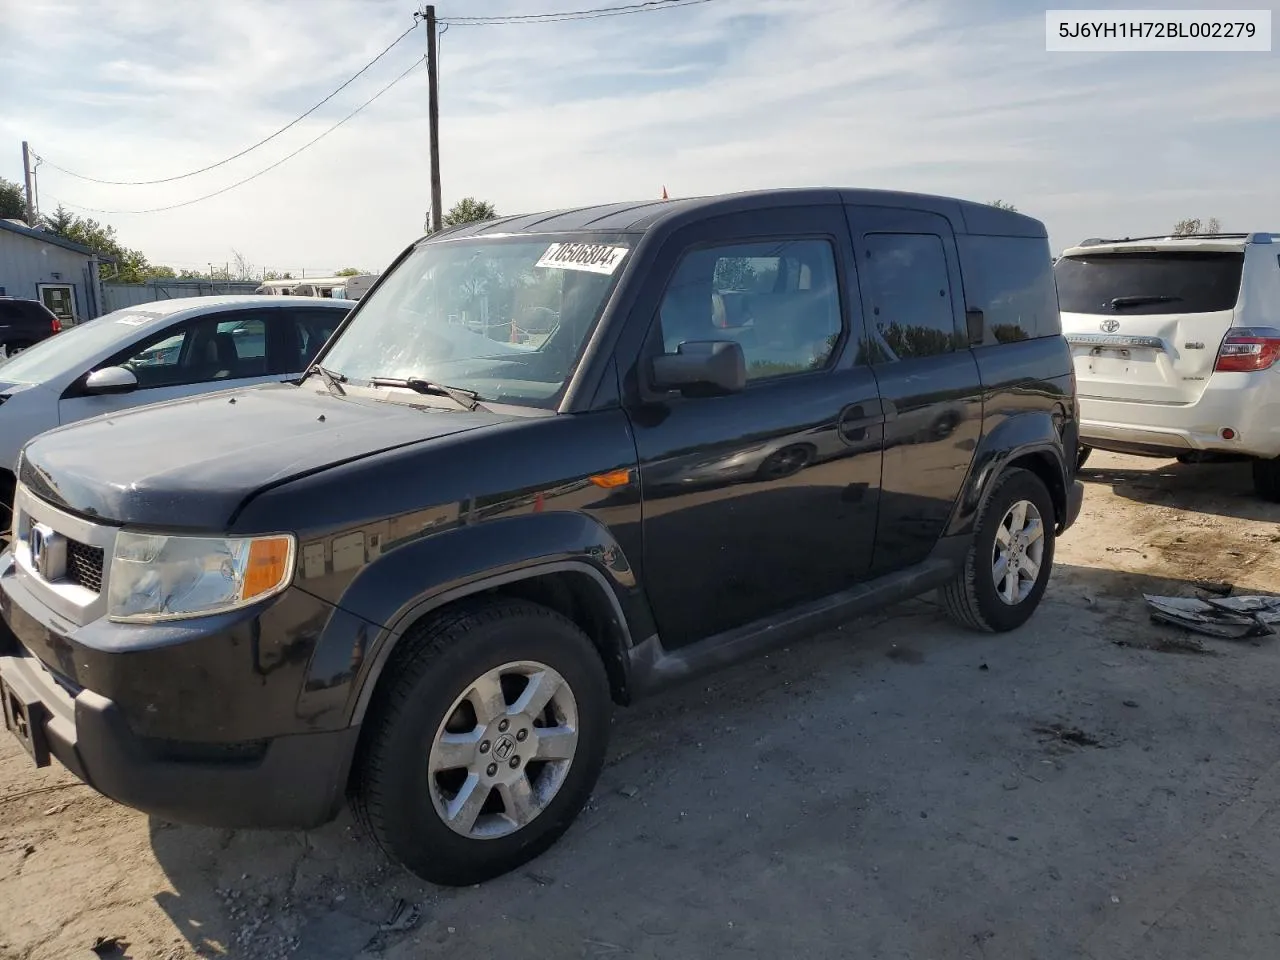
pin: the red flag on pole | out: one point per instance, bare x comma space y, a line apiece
664, 192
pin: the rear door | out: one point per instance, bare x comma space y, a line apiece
1145, 325
912, 296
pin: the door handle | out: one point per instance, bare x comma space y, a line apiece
857, 418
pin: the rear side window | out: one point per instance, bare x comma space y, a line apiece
905, 279
1149, 283
1011, 280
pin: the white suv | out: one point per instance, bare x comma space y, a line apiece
1177, 347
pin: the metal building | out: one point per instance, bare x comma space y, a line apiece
62, 275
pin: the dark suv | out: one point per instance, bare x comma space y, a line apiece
424, 573
23, 323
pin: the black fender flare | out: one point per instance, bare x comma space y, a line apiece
1034, 437
408, 583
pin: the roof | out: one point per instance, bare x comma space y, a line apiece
43, 236
213, 304
641, 216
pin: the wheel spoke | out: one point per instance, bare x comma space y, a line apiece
487, 699
1010, 590
455, 750
556, 743
518, 800
542, 687
1030, 568
1035, 530
1001, 569
1018, 516
466, 806
1003, 536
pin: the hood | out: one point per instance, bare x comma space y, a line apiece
189, 464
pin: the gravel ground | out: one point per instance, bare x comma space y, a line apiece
1091, 786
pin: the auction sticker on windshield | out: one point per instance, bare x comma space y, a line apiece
593, 257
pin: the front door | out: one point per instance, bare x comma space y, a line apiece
60, 298
217, 352
909, 273
757, 501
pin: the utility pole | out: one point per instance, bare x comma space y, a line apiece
433, 115
31, 193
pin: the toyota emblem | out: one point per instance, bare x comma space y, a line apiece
1110, 326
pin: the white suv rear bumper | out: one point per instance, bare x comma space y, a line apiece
1247, 403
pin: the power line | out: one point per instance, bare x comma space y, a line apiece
650, 6
217, 193
236, 156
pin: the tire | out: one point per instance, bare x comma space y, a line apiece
972, 599
402, 803
1082, 455
1266, 479
785, 462
14, 348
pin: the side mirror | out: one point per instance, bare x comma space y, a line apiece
110, 380
702, 367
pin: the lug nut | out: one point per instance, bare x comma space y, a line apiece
493, 769
502, 727
522, 736
484, 746
515, 762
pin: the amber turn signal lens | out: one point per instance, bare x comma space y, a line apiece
613, 479
268, 565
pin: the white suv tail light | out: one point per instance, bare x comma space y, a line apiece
1246, 349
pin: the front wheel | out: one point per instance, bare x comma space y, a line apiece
486, 744
1007, 567
1266, 479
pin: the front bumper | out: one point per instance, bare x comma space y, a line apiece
197, 722
296, 782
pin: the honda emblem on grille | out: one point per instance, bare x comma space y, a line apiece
1110, 326
48, 552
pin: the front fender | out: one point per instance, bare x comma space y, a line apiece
1037, 437
401, 586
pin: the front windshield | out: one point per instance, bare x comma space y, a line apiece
75, 347
506, 318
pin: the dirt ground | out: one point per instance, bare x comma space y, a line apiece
1093, 786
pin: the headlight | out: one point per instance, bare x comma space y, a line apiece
170, 578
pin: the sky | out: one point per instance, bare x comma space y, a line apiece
927, 95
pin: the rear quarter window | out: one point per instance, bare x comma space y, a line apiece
1149, 283
1011, 280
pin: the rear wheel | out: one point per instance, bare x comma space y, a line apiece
1266, 479
486, 744
1007, 568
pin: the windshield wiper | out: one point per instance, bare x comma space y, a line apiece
1139, 300
467, 399
332, 380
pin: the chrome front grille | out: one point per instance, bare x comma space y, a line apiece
62, 559
84, 565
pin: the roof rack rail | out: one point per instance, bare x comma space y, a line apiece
1247, 237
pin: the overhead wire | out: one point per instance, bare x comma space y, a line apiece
595, 13
235, 156
209, 196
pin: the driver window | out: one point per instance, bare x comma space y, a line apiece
198, 352
780, 300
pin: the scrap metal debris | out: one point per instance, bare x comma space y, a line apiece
1233, 618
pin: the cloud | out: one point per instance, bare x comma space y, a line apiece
734, 94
